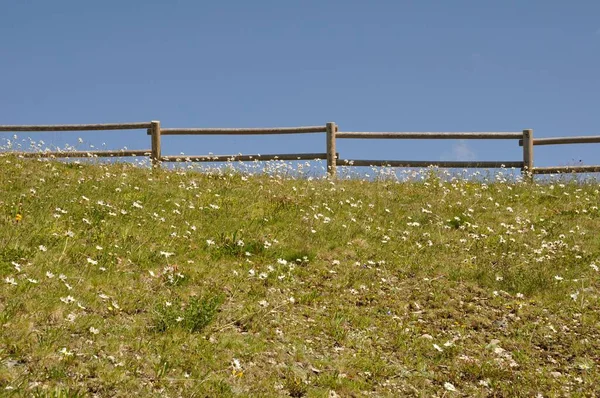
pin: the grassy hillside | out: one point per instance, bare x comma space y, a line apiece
116, 280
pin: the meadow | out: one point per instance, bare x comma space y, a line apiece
119, 280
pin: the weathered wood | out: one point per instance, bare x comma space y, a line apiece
427, 135
155, 141
79, 154
244, 131
566, 169
589, 139
245, 158
527, 154
426, 163
331, 151
76, 127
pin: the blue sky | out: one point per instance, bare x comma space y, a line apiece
366, 65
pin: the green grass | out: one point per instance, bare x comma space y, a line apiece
116, 280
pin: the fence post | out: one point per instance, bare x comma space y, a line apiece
331, 152
155, 133
527, 170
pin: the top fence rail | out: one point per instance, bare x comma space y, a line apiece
77, 127
244, 131
412, 135
588, 139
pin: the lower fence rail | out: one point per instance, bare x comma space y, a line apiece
566, 169
244, 158
425, 163
81, 154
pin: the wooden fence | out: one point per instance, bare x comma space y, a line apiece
332, 133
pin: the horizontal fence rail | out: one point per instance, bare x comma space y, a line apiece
590, 139
76, 127
425, 163
566, 169
249, 131
416, 135
82, 154
244, 158
332, 133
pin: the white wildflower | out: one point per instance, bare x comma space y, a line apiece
67, 300
449, 386
574, 295
66, 352
10, 281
